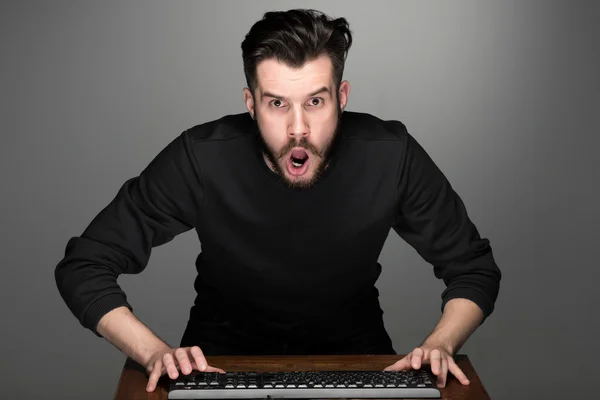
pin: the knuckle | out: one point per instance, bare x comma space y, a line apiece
196, 352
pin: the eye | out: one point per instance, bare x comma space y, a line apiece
315, 102
277, 103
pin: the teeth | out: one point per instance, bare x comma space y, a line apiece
297, 165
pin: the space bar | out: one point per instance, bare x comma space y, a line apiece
303, 393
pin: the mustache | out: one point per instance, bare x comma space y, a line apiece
304, 143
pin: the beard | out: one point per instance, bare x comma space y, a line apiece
323, 156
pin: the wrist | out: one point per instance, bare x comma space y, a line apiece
436, 342
150, 354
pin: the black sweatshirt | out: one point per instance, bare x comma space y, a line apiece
275, 256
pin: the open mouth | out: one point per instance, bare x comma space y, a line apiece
298, 162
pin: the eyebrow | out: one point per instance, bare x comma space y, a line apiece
276, 96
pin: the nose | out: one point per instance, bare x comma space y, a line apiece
298, 125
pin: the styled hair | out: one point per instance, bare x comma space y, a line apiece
295, 37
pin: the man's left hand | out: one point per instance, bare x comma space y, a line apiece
438, 357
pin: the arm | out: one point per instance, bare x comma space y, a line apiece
433, 220
127, 333
148, 211
459, 320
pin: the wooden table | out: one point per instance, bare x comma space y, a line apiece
132, 384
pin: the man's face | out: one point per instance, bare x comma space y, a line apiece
297, 111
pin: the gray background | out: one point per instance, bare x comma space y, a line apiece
503, 95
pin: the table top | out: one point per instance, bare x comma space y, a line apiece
132, 384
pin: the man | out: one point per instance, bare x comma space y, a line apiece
292, 203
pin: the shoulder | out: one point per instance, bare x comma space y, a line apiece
228, 127
364, 126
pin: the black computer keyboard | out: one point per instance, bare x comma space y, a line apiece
297, 385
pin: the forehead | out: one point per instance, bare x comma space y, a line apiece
274, 76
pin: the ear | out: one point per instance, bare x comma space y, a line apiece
343, 94
249, 100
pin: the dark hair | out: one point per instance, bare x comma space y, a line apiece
294, 37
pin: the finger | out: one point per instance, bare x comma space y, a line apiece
184, 362
457, 372
417, 357
199, 358
154, 376
214, 369
436, 361
170, 366
403, 364
442, 377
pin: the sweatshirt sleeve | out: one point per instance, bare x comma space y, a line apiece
433, 220
148, 210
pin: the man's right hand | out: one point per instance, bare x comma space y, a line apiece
169, 360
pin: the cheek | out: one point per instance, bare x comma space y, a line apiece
273, 131
323, 130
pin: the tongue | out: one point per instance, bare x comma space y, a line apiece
299, 154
